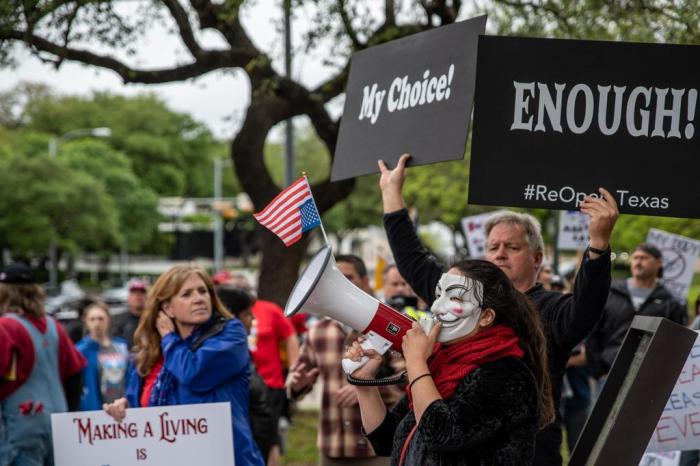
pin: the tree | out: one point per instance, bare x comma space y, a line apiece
136, 204
57, 31
44, 201
634, 20
152, 151
172, 153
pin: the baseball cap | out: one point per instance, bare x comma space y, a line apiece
17, 273
653, 251
137, 285
649, 249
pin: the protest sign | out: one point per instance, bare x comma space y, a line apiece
473, 227
679, 257
669, 458
410, 95
679, 424
573, 231
174, 435
556, 119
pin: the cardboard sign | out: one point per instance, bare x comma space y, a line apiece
679, 257
473, 227
410, 95
679, 425
173, 435
556, 119
573, 231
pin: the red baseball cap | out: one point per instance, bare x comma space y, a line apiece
137, 285
221, 277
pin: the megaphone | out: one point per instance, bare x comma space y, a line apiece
323, 290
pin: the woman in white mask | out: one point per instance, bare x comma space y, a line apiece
478, 387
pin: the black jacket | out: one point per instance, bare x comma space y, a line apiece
491, 419
605, 341
566, 318
260, 413
124, 325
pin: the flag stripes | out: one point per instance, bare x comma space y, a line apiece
283, 216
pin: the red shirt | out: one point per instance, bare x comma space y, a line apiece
270, 329
149, 382
16, 341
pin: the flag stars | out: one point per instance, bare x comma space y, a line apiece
309, 216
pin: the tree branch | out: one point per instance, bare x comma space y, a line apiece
347, 24
333, 87
226, 22
663, 12
558, 16
439, 8
66, 34
183, 23
207, 61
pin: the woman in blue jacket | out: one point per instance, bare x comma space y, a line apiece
107, 357
190, 350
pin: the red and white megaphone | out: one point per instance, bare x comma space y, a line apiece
323, 290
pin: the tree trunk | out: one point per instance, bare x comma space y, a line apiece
279, 268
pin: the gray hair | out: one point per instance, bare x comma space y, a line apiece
533, 230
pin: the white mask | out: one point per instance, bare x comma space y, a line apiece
457, 305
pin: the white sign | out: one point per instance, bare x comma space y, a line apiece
679, 424
669, 458
476, 236
573, 231
679, 257
174, 435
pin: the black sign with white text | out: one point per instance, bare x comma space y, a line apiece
556, 119
410, 95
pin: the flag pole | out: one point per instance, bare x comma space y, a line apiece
323, 230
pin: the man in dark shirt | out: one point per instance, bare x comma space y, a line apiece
124, 325
514, 243
641, 294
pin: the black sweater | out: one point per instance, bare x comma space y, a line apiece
606, 339
491, 419
566, 318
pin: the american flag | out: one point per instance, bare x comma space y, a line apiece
291, 213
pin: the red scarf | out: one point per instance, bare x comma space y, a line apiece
449, 364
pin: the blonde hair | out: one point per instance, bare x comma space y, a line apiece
146, 337
24, 299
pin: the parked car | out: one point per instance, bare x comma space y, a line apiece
116, 299
65, 307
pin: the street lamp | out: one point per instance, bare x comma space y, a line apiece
86, 132
218, 221
53, 148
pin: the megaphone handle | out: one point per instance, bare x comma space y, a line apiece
350, 366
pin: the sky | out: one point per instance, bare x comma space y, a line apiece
217, 99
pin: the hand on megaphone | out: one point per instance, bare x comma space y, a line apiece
369, 370
417, 346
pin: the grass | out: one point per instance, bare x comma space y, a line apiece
301, 440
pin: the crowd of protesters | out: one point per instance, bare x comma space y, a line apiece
192, 338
